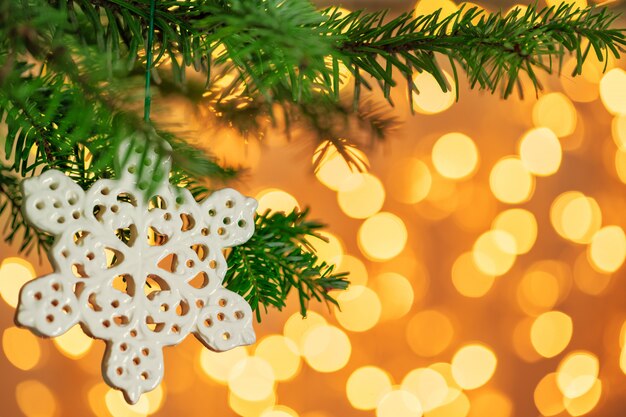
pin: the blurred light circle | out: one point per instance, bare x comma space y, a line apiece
577, 373
329, 249
468, 279
426, 7
557, 113
510, 181
35, 399
276, 200
613, 91
575, 216
456, 405
428, 97
429, 333
540, 151
582, 89
359, 309
279, 411
577, 4
396, 295
155, 398
521, 341
588, 279
282, 354
548, 397
428, 385
361, 195
608, 249
399, 403
366, 386
74, 343
252, 378
494, 252
296, 327
618, 128
332, 168
247, 408
409, 180
519, 223
473, 366
14, 273
219, 365
551, 332
326, 348
620, 164
118, 407
538, 291
455, 156
21, 348
355, 267
585, 403
382, 236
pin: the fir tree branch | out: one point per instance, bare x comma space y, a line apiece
278, 259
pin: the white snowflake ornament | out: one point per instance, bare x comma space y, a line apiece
138, 274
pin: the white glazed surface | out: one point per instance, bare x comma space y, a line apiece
175, 247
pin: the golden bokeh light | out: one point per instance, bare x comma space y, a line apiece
578, 4
409, 181
74, 343
282, 354
429, 333
382, 236
21, 348
540, 151
355, 267
620, 164
548, 397
618, 129
613, 91
557, 113
247, 408
366, 386
35, 399
219, 365
14, 273
577, 373
428, 97
519, 223
468, 279
361, 195
455, 156
332, 169
492, 403
252, 379
428, 386
399, 403
510, 181
279, 411
456, 405
494, 252
329, 249
396, 295
551, 332
360, 308
588, 279
326, 348
585, 403
424, 7
118, 407
607, 250
582, 89
296, 327
276, 200
575, 216
473, 366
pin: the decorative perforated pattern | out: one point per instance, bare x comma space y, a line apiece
138, 274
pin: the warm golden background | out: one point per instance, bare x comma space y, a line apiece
485, 245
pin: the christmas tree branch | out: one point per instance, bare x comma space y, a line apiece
278, 259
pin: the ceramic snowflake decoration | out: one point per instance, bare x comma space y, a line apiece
138, 273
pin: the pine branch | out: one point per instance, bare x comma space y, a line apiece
278, 259
493, 50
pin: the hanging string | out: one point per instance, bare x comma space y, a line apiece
148, 96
